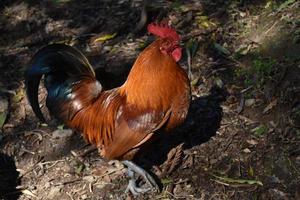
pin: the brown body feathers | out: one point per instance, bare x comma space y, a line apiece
155, 96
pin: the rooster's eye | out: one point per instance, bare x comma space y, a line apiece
163, 50
167, 44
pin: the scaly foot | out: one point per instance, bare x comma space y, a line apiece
132, 187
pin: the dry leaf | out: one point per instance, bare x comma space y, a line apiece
270, 106
252, 142
3, 111
28, 192
173, 160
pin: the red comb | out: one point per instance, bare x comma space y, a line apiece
163, 31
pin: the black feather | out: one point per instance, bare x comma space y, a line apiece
63, 67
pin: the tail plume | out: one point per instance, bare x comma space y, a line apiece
69, 79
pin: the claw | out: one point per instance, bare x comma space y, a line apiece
132, 187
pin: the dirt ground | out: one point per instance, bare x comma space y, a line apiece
242, 134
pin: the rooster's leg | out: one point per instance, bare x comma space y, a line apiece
132, 187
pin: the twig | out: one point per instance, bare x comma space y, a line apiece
3, 90
246, 89
88, 151
189, 62
31, 169
225, 125
91, 187
220, 182
172, 195
232, 185
196, 33
50, 162
230, 141
240, 108
182, 181
111, 172
27, 151
68, 182
216, 71
70, 195
41, 131
265, 33
80, 155
246, 119
143, 18
54, 163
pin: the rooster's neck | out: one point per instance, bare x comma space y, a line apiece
153, 79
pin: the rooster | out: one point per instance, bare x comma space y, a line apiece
155, 98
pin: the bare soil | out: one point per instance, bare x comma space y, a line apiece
242, 134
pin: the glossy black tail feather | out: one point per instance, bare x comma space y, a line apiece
62, 66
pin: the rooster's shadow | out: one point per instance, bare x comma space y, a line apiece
203, 121
9, 178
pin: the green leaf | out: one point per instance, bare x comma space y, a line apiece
176, 6
251, 171
238, 181
79, 168
60, 127
195, 81
192, 45
260, 130
189, 44
285, 4
19, 96
105, 37
3, 116
204, 21
221, 49
166, 181
142, 45
243, 50
298, 134
185, 8
61, 1
268, 4
219, 82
